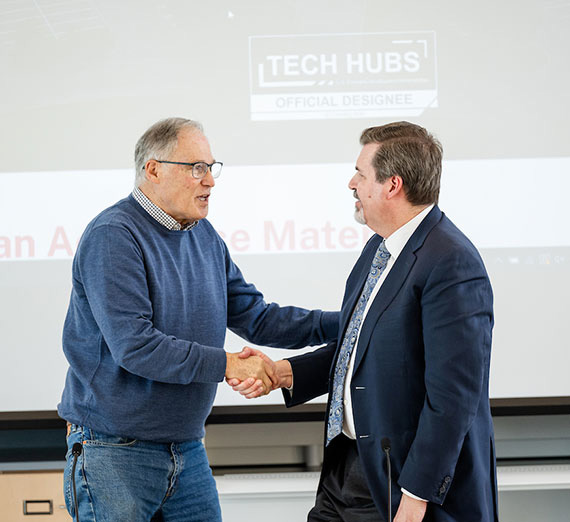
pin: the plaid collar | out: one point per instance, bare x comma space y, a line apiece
157, 213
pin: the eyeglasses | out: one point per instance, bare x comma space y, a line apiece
200, 168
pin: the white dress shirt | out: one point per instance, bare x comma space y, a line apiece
395, 243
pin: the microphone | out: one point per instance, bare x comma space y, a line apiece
385, 444
76, 450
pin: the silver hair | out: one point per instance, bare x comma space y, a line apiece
159, 141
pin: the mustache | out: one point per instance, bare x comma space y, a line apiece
355, 194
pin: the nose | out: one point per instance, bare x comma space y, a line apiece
208, 180
352, 183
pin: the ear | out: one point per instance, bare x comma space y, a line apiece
152, 171
395, 186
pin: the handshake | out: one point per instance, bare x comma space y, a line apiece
252, 374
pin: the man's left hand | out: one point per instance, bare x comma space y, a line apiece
410, 510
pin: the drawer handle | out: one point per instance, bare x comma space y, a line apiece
38, 507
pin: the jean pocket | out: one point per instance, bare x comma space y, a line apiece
67, 487
103, 439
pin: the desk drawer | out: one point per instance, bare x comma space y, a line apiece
32, 495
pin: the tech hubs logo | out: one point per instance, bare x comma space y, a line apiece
322, 76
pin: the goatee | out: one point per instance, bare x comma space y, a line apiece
359, 216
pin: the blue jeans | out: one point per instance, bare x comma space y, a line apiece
127, 480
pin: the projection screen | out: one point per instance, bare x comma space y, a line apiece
283, 90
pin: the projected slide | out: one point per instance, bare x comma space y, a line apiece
283, 91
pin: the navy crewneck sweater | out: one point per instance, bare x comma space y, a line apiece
146, 324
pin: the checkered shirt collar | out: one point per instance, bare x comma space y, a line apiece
158, 214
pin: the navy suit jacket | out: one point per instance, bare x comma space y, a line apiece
421, 375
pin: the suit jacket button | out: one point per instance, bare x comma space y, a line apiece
441, 490
447, 480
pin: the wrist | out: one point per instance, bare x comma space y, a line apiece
284, 373
229, 360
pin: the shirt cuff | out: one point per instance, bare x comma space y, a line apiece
406, 492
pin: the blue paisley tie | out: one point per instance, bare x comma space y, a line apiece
334, 424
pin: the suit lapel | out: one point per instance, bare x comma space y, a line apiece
394, 281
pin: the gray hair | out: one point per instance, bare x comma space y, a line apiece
159, 141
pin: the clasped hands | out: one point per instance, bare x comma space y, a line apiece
252, 374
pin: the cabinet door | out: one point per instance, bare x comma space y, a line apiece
25, 495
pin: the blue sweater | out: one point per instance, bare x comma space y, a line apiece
146, 324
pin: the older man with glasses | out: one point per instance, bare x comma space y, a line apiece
154, 289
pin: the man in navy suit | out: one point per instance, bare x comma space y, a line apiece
411, 364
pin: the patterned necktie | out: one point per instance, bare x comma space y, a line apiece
334, 424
